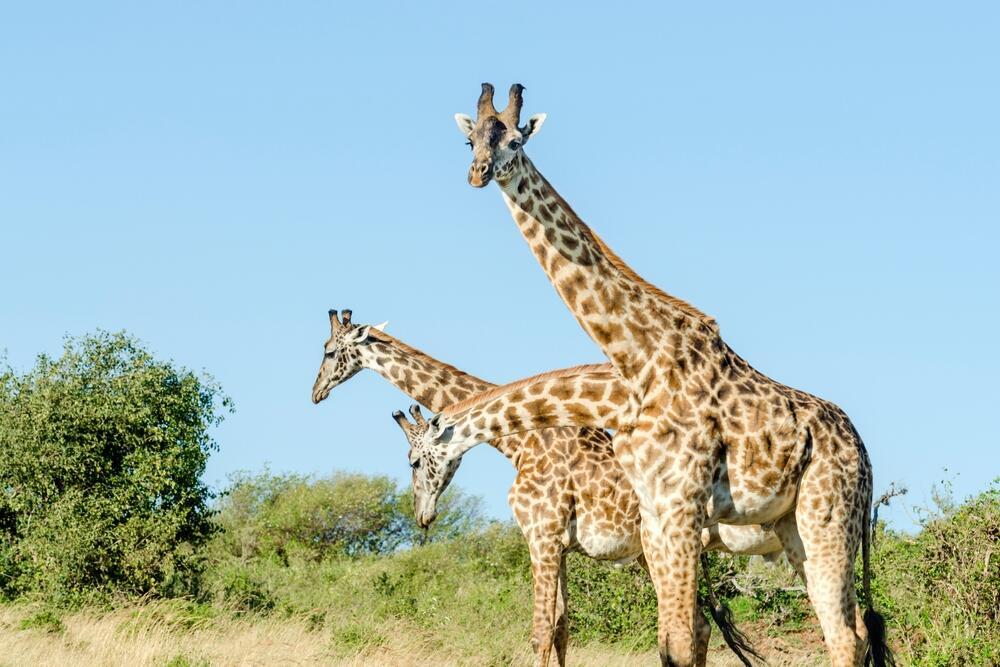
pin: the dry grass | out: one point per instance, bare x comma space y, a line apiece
114, 639
140, 635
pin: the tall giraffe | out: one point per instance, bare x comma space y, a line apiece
704, 434
569, 493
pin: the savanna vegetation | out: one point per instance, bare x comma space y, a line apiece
113, 552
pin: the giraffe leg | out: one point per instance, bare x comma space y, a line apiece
545, 567
822, 552
702, 629
671, 546
562, 615
703, 633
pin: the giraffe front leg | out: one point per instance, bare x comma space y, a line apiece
671, 544
702, 629
546, 559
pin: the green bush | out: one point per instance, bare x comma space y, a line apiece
101, 456
940, 589
289, 516
241, 591
610, 604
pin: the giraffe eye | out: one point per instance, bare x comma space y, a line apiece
514, 145
331, 354
415, 464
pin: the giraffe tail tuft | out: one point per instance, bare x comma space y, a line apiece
878, 654
737, 642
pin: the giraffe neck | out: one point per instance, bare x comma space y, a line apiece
429, 381
583, 396
630, 319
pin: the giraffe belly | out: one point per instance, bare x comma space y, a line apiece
604, 543
743, 540
740, 505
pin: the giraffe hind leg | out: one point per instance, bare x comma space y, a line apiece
822, 553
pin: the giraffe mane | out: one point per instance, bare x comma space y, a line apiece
627, 271
409, 350
489, 395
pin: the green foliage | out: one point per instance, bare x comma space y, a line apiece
45, 620
240, 590
610, 604
101, 456
940, 589
295, 516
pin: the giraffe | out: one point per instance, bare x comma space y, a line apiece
705, 437
569, 493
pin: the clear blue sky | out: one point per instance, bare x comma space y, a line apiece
213, 176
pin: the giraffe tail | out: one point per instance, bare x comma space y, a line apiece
878, 653
737, 642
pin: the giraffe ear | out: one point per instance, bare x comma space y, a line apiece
434, 424
438, 432
381, 327
533, 125
360, 334
465, 124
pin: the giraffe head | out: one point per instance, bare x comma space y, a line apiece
342, 353
496, 138
432, 470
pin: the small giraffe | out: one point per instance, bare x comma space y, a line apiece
592, 529
704, 434
596, 512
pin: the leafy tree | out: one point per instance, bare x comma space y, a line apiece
101, 456
343, 514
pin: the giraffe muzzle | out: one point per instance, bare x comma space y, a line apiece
321, 390
480, 174
426, 518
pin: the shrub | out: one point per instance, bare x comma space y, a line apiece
101, 456
941, 587
610, 604
243, 592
